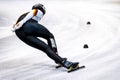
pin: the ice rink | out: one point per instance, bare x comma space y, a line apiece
67, 20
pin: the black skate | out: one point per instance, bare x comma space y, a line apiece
75, 66
60, 65
71, 66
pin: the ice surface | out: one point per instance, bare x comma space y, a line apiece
67, 20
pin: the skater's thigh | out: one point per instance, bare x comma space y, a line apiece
32, 41
37, 30
36, 43
42, 31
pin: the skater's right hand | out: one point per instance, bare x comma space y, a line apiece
17, 26
14, 28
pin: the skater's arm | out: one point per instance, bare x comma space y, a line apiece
31, 14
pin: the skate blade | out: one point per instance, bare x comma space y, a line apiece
74, 69
59, 65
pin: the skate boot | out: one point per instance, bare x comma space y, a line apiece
59, 64
71, 66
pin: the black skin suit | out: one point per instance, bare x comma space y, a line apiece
29, 33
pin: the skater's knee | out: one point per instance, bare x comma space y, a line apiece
51, 35
47, 50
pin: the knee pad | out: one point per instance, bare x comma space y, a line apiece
51, 35
52, 40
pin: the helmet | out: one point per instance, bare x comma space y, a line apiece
40, 7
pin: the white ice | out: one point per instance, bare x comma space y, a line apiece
66, 19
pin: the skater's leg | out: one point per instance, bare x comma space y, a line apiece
52, 43
29, 33
46, 34
37, 43
41, 31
